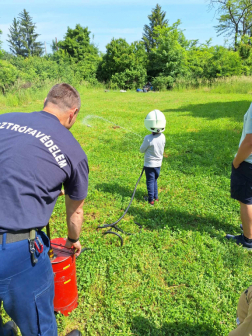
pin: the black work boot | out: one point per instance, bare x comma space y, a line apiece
75, 332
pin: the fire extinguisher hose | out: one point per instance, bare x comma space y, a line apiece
110, 226
113, 225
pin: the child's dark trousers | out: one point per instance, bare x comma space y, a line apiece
152, 175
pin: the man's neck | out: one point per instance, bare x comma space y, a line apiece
56, 113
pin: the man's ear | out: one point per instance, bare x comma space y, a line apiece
71, 115
73, 112
45, 101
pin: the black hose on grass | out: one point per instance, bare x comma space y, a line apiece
114, 226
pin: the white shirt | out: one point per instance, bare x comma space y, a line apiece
153, 147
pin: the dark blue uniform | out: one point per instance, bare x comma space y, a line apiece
37, 156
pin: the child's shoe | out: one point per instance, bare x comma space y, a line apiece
156, 199
147, 200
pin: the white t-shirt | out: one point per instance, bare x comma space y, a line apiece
247, 129
153, 147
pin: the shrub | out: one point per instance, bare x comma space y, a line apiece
123, 65
129, 79
213, 62
8, 75
162, 83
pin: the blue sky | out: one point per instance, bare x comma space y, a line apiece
109, 18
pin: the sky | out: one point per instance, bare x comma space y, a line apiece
109, 18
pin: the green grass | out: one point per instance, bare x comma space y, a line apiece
179, 276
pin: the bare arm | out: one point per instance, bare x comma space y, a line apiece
74, 213
244, 150
245, 328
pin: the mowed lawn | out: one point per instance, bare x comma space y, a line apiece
178, 276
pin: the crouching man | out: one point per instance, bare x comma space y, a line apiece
38, 155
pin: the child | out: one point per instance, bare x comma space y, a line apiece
153, 147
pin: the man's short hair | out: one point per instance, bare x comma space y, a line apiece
64, 96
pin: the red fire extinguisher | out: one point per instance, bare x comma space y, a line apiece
65, 280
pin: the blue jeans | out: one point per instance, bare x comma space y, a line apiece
152, 175
27, 290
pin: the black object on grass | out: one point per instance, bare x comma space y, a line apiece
114, 226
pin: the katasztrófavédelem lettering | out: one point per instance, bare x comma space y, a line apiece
45, 139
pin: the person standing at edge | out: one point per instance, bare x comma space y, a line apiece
244, 315
37, 155
241, 182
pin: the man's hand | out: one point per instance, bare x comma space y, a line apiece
235, 164
76, 246
62, 193
244, 151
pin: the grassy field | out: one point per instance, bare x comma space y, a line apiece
178, 276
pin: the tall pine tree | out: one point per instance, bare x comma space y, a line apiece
22, 37
157, 18
15, 38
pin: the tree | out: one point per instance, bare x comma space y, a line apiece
77, 50
22, 37
208, 63
77, 44
54, 46
167, 58
245, 47
235, 18
118, 58
157, 18
29, 37
124, 64
15, 41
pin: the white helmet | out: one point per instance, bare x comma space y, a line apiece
155, 121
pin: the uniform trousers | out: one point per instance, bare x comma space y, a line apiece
27, 289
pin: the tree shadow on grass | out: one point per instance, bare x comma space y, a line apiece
194, 150
155, 218
234, 110
202, 151
117, 189
143, 327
